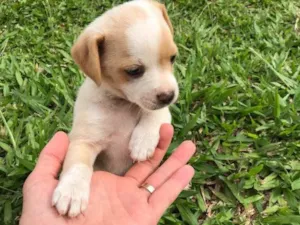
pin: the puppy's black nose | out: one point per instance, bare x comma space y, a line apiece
165, 97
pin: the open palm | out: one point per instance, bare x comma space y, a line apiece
113, 199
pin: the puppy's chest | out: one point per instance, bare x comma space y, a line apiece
121, 122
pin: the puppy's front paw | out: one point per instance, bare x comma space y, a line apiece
143, 144
72, 193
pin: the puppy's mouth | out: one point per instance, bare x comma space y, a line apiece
152, 105
155, 107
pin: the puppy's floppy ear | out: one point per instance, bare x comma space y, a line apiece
85, 53
163, 9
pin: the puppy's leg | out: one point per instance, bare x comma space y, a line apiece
72, 193
145, 136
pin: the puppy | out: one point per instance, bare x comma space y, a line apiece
127, 56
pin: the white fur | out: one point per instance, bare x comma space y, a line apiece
123, 130
145, 136
73, 189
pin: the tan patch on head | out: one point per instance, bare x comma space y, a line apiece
101, 50
164, 12
167, 49
85, 54
115, 56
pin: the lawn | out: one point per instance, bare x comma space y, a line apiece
239, 75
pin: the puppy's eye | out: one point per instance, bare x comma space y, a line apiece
135, 72
172, 59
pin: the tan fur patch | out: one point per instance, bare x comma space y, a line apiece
163, 9
113, 48
114, 56
85, 54
167, 49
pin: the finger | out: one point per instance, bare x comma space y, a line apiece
52, 156
178, 159
166, 194
141, 170
166, 133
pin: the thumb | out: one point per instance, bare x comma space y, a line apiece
52, 156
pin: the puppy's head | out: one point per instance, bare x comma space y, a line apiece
130, 50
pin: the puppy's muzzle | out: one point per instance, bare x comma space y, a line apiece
165, 98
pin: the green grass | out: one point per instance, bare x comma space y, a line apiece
239, 73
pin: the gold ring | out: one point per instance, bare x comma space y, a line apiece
148, 187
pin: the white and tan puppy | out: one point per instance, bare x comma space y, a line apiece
127, 56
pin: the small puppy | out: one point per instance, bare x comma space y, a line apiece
127, 56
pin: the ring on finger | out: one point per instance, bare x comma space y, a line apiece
148, 187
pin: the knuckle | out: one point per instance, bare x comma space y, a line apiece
151, 164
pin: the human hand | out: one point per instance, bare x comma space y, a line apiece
113, 199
